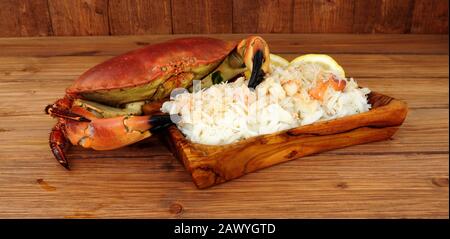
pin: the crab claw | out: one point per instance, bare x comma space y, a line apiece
160, 122
251, 57
81, 126
258, 73
78, 125
249, 47
256, 55
113, 133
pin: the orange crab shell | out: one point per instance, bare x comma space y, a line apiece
144, 65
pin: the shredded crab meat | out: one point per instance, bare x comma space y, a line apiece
229, 112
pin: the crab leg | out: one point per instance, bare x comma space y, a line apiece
59, 144
102, 133
61, 109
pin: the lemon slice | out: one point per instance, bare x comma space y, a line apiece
324, 61
278, 61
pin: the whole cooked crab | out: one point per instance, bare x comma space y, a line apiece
116, 103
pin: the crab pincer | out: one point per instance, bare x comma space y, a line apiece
102, 133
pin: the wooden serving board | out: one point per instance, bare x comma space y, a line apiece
210, 165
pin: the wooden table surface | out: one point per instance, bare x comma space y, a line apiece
406, 176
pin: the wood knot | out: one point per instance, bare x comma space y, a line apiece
263, 141
44, 185
440, 181
141, 43
342, 185
176, 208
31, 68
292, 154
98, 10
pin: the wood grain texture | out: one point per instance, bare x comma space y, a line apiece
394, 66
430, 16
395, 16
417, 44
20, 18
79, 18
136, 17
365, 15
405, 177
201, 16
389, 16
139, 17
211, 165
262, 16
322, 16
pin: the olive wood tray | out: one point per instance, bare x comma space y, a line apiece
210, 165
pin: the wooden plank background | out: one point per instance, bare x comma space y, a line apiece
22, 18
